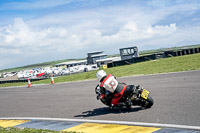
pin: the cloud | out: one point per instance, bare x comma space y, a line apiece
71, 34
19, 31
58, 38
182, 36
43, 4
23, 40
20, 35
132, 31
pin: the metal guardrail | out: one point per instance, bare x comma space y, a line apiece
164, 54
21, 80
38, 78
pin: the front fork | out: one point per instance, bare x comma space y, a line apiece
136, 97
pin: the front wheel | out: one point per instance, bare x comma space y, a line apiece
147, 103
144, 102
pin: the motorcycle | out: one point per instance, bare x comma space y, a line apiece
133, 95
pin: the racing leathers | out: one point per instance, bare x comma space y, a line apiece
111, 90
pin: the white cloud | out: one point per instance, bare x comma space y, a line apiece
132, 31
19, 32
28, 41
73, 33
43, 4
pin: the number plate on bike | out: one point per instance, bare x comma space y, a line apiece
145, 94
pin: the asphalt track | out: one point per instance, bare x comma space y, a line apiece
176, 97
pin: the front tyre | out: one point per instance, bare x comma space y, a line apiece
147, 103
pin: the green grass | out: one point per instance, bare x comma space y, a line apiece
164, 65
27, 130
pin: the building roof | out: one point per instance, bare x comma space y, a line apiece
98, 55
128, 47
93, 52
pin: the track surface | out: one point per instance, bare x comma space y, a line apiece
176, 97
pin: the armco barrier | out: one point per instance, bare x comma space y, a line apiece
164, 54
21, 80
35, 79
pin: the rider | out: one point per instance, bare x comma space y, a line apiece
111, 90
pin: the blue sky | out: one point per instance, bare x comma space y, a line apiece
34, 31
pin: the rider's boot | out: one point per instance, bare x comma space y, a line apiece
128, 102
119, 104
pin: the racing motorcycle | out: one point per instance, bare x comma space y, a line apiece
134, 95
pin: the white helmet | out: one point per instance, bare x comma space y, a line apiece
100, 74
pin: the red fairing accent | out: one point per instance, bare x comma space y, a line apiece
102, 83
115, 100
117, 95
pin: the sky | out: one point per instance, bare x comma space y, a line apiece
36, 31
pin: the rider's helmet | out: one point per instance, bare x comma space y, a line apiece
101, 74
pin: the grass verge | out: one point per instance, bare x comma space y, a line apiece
27, 130
164, 65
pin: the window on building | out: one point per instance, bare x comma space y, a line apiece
128, 51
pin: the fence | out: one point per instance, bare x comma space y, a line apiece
21, 80
164, 54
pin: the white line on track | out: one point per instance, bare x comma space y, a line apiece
105, 122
